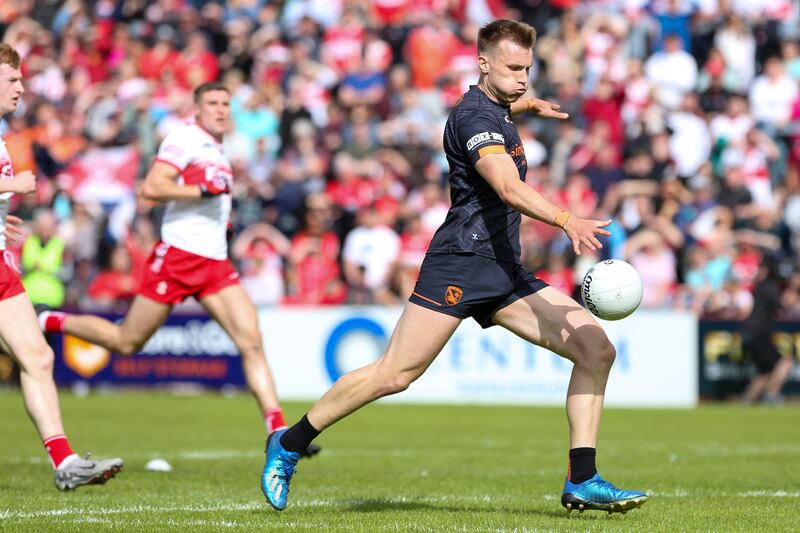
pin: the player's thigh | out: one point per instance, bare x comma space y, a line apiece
551, 319
20, 331
233, 309
418, 338
142, 320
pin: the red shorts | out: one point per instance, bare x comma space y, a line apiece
10, 284
172, 275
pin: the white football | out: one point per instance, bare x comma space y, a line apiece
612, 289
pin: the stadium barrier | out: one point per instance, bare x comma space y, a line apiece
724, 369
309, 348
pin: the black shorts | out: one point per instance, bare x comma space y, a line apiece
468, 285
763, 353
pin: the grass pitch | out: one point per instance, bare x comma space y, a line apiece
402, 468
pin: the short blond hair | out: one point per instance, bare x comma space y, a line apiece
492, 33
9, 56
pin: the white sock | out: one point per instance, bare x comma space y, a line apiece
43, 319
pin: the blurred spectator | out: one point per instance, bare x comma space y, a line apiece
259, 251
673, 72
558, 274
772, 95
414, 242
370, 251
43, 260
314, 274
773, 368
115, 283
737, 47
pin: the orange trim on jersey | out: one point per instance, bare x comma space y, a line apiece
494, 149
426, 299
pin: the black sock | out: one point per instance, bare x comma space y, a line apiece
581, 464
299, 436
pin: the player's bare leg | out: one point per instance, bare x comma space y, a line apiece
756, 388
555, 321
777, 378
23, 340
234, 311
144, 317
418, 337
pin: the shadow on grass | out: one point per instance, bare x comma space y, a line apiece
378, 505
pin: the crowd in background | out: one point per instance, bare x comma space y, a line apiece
684, 129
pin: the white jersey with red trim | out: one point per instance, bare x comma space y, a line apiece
197, 226
6, 173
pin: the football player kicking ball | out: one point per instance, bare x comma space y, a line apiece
192, 174
472, 269
20, 336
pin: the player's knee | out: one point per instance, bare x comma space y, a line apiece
251, 346
603, 355
607, 355
596, 352
392, 384
128, 348
41, 361
396, 384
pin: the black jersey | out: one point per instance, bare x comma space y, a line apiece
479, 221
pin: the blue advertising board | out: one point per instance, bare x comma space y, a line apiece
187, 348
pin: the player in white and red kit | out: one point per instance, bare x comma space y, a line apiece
192, 174
19, 331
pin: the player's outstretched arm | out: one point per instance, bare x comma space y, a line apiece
161, 185
501, 173
537, 106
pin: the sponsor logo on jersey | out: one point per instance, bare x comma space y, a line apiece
508, 120
517, 151
484, 137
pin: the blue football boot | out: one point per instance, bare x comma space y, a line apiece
278, 471
600, 495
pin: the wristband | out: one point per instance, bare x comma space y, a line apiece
205, 192
561, 218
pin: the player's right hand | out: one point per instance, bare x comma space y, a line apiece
585, 231
214, 187
24, 182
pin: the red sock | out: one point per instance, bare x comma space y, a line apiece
52, 321
58, 448
274, 419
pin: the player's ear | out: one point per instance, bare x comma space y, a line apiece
483, 64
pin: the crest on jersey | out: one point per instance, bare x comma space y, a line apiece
453, 295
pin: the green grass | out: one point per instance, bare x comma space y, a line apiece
402, 468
